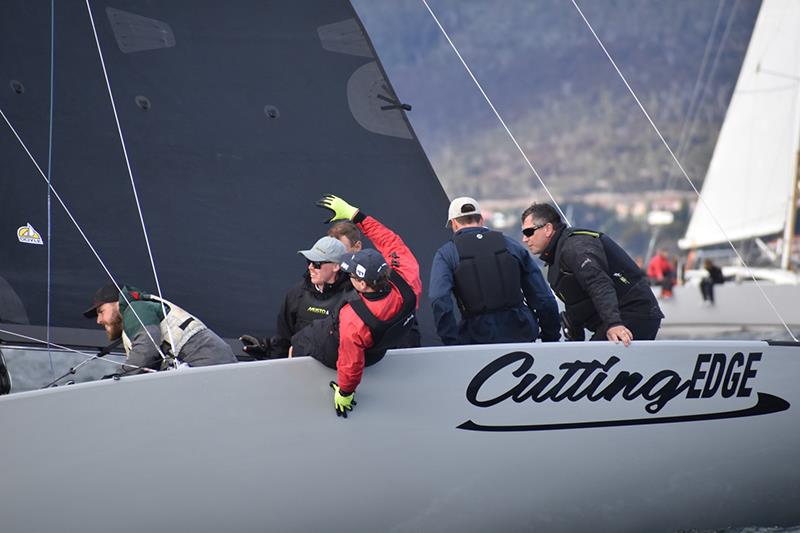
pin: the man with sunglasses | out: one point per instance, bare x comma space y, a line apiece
381, 314
602, 288
322, 291
501, 293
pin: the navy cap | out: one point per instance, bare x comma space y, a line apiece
105, 294
368, 265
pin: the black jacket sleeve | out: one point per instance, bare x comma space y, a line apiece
287, 323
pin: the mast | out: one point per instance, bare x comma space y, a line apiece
791, 217
791, 209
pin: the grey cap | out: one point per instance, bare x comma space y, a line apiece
327, 249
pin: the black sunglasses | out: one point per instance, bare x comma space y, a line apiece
318, 264
528, 232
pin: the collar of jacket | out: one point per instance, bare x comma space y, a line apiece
549, 253
471, 229
340, 284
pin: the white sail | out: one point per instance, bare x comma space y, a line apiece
749, 179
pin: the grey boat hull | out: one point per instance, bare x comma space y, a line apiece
437, 442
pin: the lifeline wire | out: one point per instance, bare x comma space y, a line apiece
130, 173
685, 175
89, 356
80, 230
49, 177
502, 122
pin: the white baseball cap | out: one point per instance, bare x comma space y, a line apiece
462, 206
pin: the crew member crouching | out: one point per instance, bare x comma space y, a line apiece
377, 319
152, 338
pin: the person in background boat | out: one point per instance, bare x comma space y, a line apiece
320, 294
707, 283
500, 291
349, 235
388, 286
602, 288
662, 273
147, 332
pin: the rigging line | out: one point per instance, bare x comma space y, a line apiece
700, 84
497, 114
778, 74
714, 66
130, 173
49, 177
683, 140
80, 230
677, 162
88, 356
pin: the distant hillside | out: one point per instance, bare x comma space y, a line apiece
557, 91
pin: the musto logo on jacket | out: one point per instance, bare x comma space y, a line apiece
602, 393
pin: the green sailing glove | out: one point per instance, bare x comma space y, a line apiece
341, 209
342, 403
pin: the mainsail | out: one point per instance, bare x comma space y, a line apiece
235, 119
751, 176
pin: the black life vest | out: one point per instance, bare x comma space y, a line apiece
388, 333
320, 339
622, 270
487, 277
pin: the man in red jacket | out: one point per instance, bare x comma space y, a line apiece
388, 296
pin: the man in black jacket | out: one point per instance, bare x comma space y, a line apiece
602, 288
321, 292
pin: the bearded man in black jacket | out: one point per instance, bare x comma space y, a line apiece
602, 288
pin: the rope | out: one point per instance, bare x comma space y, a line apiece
698, 96
685, 175
80, 230
497, 114
88, 356
130, 172
49, 177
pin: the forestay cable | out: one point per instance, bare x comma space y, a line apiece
50, 176
130, 174
497, 114
685, 175
80, 230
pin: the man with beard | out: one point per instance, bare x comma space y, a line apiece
155, 331
320, 294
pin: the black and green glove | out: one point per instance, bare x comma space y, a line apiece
258, 348
342, 402
341, 209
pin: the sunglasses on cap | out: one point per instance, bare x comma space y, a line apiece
318, 264
528, 232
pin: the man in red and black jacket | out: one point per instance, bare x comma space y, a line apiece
388, 296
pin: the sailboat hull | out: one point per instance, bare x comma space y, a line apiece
446, 438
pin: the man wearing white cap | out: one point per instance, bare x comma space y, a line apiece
321, 292
500, 291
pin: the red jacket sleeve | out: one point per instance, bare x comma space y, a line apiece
395, 251
354, 339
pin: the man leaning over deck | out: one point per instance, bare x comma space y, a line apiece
139, 319
602, 288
